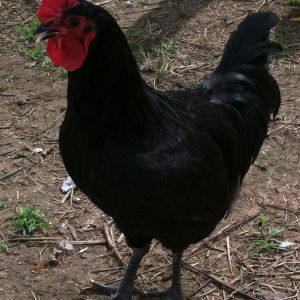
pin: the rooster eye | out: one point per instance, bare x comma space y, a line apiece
74, 21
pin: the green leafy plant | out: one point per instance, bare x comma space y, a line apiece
168, 47
47, 64
35, 54
38, 54
282, 35
28, 30
2, 204
183, 13
32, 52
3, 246
264, 240
293, 2
29, 220
139, 36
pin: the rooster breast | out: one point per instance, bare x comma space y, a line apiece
175, 187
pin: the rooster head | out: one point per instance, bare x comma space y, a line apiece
69, 30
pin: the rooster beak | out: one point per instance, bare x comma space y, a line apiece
43, 32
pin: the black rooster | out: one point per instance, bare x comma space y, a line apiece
164, 165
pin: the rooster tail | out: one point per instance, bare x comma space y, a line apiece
244, 67
242, 83
250, 43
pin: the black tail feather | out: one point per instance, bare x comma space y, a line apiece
250, 43
245, 61
243, 85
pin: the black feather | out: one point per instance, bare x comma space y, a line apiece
243, 82
166, 165
249, 43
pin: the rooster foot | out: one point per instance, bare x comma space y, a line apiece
170, 294
114, 292
103, 289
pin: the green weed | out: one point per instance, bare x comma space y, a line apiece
63, 72
183, 14
3, 246
169, 47
35, 54
264, 240
2, 204
262, 161
293, 2
47, 64
29, 220
139, 36
282, 36
39, 55
28, 31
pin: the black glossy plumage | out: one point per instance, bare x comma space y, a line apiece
166, 165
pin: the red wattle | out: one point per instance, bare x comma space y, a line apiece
66, 52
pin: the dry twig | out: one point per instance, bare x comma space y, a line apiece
229, 254
6, 176
54, 239
221, 234
294, 210
112, 245
219, 281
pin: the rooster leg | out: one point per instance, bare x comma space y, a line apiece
175, 291
126, 288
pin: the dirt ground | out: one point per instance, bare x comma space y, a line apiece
176, 43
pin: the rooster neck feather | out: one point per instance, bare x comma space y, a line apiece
109, 85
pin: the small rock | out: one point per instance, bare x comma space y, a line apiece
38, 150
66, 246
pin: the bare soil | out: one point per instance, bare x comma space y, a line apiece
32, 106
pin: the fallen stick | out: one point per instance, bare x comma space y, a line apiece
96, 242
295, 210
112, 245
53, 239
219, 281
103, 2
6, 176
66, 196
221, 234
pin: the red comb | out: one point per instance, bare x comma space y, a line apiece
53, 10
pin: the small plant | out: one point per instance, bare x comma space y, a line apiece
39, 55
169, 47
2, 89
28, 31
183, 14
282, 35
30, 220
265, 238
261, 161
2, 204
139, 36
47, 64
3, 246
293, 2
35, 53
64, 72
